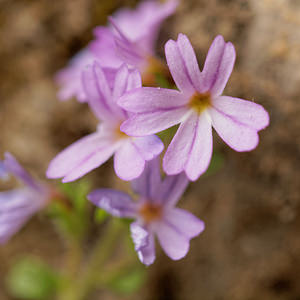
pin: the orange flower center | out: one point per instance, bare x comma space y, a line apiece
200, 102
150, 212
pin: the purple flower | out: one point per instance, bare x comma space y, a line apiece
155, 213
136, 31
93, 150
132, 41
18, 205
69, 78
197, 106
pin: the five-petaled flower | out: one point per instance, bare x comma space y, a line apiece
18, 205
130, 38
197, 106
155, 213
90, 152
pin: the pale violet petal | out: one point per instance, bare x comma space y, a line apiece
190, 61
186, 222
180, 147
81, 157
13, 166
116, 203
171, 189
201, 150
148, 146
174, 243
144, 243
236, 135
153, 122
149, 182
246, 112
218, 66
149, 99
177, 68
128, 162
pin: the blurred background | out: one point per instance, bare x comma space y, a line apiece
251, 204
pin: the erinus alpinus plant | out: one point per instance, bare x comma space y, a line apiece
137, 97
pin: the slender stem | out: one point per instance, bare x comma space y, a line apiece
79, 288
101, 252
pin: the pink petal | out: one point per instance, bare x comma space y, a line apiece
187, 223
218, 65
126, 49
147, 184
96, 98
178, 68
152, 122
246, 112
11, 165
174, 243
104, 48
121, 79
81, 157
144, 243
178, 151
202, 148
134, 80
171, 190
116, 203
148, 146
190, 60
148, 99
128, 162
236, 135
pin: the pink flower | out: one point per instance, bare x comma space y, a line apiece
18, 205
131, 39
197, 107
155, 213
90, 152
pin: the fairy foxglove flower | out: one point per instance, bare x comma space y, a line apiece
93, 150
155, 213
136, 32
132, 41
69, 78
197, 106
18, 205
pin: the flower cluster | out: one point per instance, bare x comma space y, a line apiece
118, 86
116, 75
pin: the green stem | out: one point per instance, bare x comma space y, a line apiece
79, 288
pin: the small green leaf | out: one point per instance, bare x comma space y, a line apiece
32, 279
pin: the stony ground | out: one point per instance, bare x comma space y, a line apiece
251, 246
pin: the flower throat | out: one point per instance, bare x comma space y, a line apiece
199, 102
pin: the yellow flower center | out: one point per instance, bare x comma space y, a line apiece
119, 135
200, 102
150, 212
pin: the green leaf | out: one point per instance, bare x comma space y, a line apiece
129, 282
31, 278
